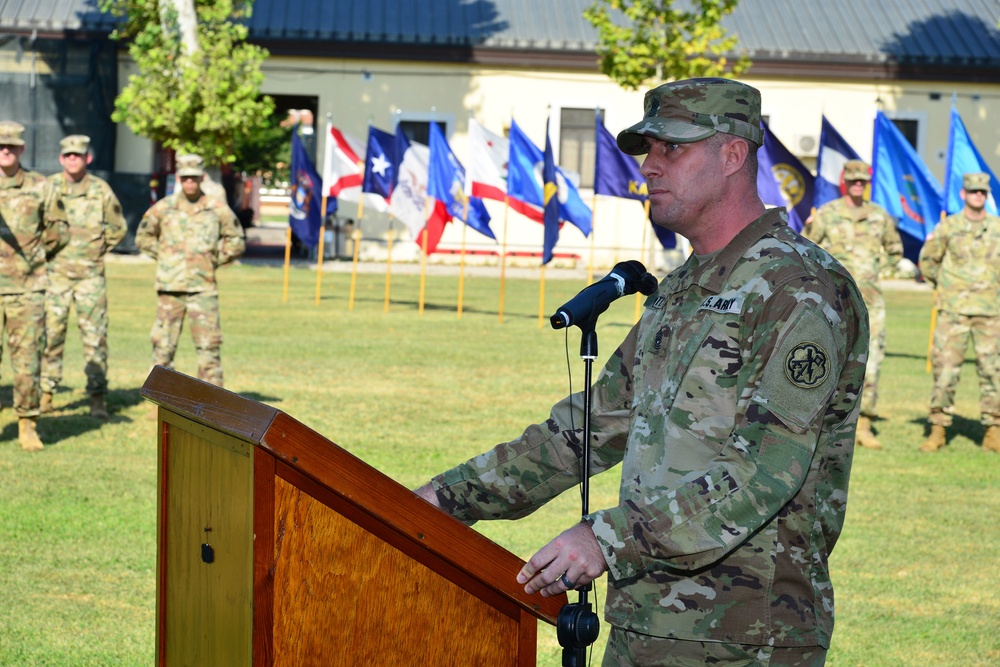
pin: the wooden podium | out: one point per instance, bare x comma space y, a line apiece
278, 548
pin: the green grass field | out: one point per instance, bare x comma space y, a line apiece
915, 571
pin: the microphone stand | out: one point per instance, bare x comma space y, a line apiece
578, 626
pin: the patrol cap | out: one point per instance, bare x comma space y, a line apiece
11, 133
857, 170
690, 110
190, 165
976, 182
74, 143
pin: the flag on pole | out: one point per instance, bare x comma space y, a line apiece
524, 184
550, 200
486, 176
963, 158
381, 164
305, 216
409, 197
446, 184
833, 153
617, 175
902, 184
782, 180
344, 169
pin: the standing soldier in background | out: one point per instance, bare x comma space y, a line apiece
859, 234
961, 258
32, 228
76, 274
190, 234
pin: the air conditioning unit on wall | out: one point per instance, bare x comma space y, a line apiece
805, 145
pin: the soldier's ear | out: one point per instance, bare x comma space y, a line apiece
90, 158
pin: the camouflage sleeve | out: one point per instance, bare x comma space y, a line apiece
114, 220
232, 243
932, 254
147, 236
516, 478
891, 241
766, 457
55, 234
814, 231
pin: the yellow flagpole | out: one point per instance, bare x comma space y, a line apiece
319, 255
288, 259
388, 266
503, 257
541, 299
645, 231
461, 263
354, 261
593, 227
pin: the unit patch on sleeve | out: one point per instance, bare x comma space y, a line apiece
807, 365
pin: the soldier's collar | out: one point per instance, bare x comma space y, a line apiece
714, 275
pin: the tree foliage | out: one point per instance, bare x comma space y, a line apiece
645, 42
205, 101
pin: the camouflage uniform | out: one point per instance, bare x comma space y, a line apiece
32, 227
731, 406
961, 258
76, 276
189, 240
862, 239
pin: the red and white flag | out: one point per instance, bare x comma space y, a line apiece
344, 170
486, 170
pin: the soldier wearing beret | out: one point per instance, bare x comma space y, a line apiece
76, 273
33, 228
731, 407
863, 237
190, 234
961, 258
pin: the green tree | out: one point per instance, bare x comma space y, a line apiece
198, 87
645, 42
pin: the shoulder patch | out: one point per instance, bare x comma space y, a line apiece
807, 365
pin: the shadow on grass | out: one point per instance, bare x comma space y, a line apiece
972, 429
260, 398
72, 419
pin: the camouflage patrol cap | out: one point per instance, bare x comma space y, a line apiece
976, 182
74, 143
11, 133
694, 109
857, 170
190, 165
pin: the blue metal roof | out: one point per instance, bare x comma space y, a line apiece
953, 33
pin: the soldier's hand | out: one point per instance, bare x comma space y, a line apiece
569, 561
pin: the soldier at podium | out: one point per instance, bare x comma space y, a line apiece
731, 407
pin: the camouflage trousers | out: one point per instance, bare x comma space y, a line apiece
951, 338
206, 330
24, 322
631, 649
90, 295
876, 354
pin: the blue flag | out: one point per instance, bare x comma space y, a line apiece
833, 153
381, 163
446, 183
304, 208
524, 184
550, 199
902, 184
782, 180
963, 158
617, 175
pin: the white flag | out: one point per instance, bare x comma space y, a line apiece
486, 171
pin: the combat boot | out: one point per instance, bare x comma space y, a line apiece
935, 440
991, 441
46, 404
864, 436
28, 436
97, 408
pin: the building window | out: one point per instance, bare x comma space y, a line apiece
417, 127
577, 147
910, 128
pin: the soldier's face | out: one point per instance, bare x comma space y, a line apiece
74, 164
856, 188
10, 156
975, 199
190, 185
683, 179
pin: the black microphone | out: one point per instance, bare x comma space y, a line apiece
626, 278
